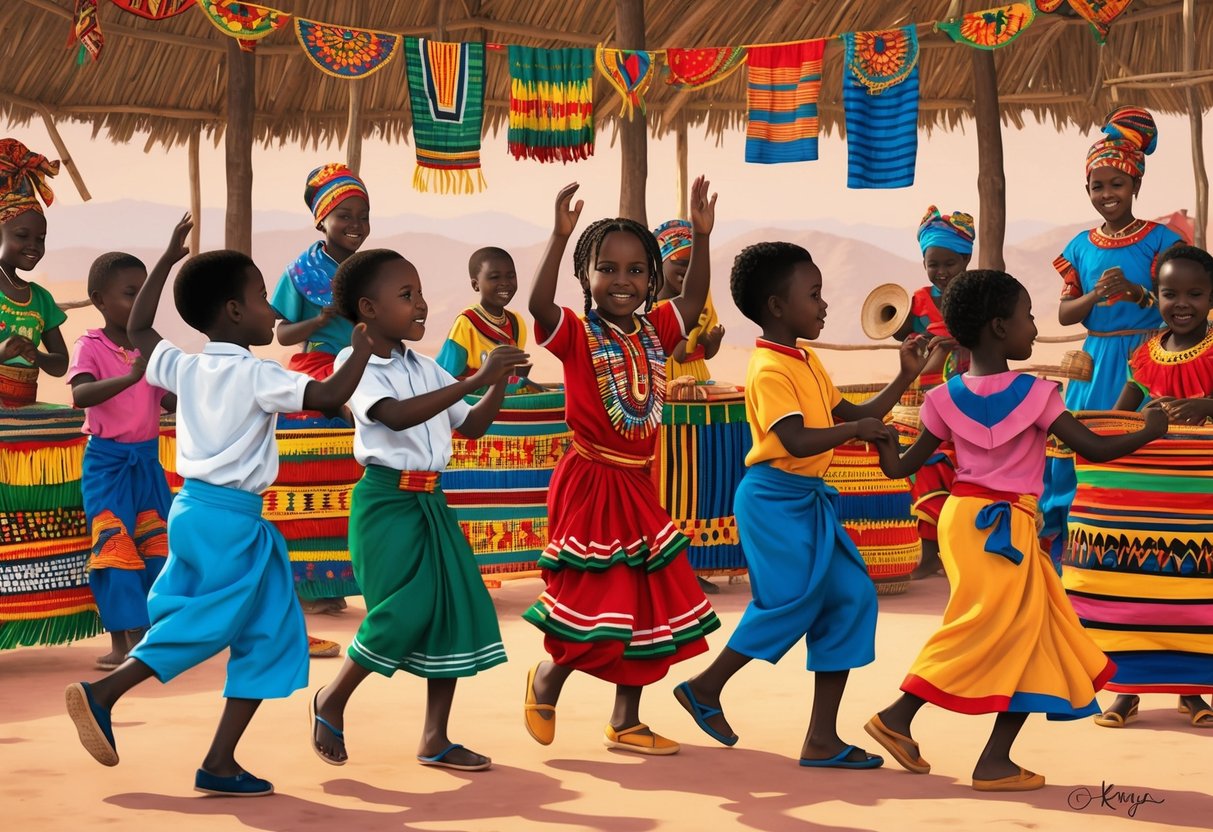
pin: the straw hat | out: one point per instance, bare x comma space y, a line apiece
884, 311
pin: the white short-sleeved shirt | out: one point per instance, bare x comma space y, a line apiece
227, 406
405, 375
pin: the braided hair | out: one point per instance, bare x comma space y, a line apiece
585, 255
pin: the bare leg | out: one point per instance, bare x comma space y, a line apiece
995, 760
220, 760
627, 708
709, 685
119, 647
440, 693
110, 688
822, 741
549, 681
330, 706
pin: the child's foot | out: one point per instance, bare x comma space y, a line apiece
92, 723
455, 756
539, 706
1200, 713
894, 735
320, 648
328, 734
1122, 712
706, 710
640, 739
240, 784
110, 660
1004, 775
707, 586
837, 753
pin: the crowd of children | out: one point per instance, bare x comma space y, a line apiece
620, 600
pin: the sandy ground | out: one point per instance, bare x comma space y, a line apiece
162, 732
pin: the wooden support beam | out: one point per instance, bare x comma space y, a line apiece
634, 134
991, 180
507, 27
440, 19
195, 174
64, 157
1196, 129
353, 128
241, 87
1182, 78
681, 154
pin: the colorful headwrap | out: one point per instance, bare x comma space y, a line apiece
955, 233
1132, 135
674, 237
330, 185
23, 175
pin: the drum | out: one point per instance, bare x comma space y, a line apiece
873, 509
44, 539
698, 464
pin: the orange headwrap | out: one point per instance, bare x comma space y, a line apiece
23, 175
1131, 136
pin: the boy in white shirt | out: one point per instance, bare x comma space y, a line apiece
227, 582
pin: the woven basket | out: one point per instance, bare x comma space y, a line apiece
1077, 365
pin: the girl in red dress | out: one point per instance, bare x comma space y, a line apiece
621, 602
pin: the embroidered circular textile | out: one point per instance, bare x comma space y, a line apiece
246, 21
346, 53
880, 60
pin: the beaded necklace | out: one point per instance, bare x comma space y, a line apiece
631, 378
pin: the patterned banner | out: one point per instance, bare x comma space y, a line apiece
154, 9
1099, 13
782, 92
446, 91
629, 72
990, 28
880, 98
346, 53
245, 21
551, 104
695, 69
87, 30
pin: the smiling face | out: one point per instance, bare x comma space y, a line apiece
801, 310
497, 283
1112, 193
394, 308
23, 241
117, 294
346, 227
1184, 297
942, 264
619, 278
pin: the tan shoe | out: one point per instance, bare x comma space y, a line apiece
630, 740
542, 730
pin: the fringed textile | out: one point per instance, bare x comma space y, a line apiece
244, 21
880, 95
695, 69
551, 104
781, 95
346, 53
154, 9
630, 73
446, 91
990, 28
87, 30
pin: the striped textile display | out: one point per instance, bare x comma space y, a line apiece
873, 509
44, 539
880, 98
498, 484
699, 462
1139, 568
781, 94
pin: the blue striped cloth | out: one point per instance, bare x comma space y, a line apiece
882, 127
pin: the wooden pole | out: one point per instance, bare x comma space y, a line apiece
353, 128
64, 157
633, 135
238, 147
680, 152
991, 181
195, 191
1196, 129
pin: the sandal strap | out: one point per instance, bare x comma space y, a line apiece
336, 732
640, 726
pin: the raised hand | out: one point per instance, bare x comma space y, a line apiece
177, 248
360, 340
703, 208
870, 430
913, 354
567, 213
502, 363
714, 335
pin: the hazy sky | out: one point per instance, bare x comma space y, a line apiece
1044, 177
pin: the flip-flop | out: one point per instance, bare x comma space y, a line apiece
1203, 713
1112, 719
92, 723
439, 760
543, 731
892, 742
840, 760
313, 719
701, 714
1025, 781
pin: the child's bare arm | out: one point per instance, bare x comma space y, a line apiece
801, 441
89, 391
699, 271
897, 466
54, 361
168, 403
1130, 398
139, 326
912, 361
542, 304
290, 333
329, 395
1096, 448
484, 411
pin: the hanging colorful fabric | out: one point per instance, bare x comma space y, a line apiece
694, 69
551, 104
87, 30
781, 94
446, 92
1099, 13
990, 28
880, 97
629, 72
154, 9
346, 53
244, 21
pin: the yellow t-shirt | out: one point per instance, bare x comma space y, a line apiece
783, 381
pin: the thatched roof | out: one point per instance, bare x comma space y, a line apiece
168, 77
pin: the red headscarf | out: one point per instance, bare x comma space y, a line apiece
23, 176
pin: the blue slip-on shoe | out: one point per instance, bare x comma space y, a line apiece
92, 723
701, 714
242, 785
440, 760
840, 760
